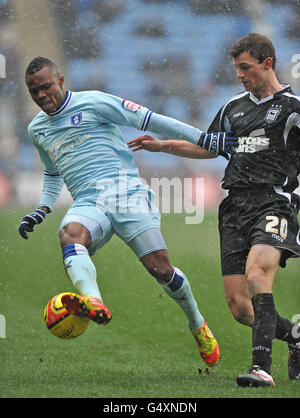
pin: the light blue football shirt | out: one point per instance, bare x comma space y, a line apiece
81, 143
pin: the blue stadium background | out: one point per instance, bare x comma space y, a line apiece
171, 56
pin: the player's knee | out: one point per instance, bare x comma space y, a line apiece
159, 266
74, 233
254, 280
163, 273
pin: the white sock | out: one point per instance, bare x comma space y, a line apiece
81, 270
179, 289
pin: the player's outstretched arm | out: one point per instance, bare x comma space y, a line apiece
219, 143
170, 146
29, 221
209, 145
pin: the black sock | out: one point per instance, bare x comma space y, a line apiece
263, 330
287, 331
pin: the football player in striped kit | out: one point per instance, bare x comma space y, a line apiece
80, 144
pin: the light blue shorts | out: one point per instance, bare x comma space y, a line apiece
138, 226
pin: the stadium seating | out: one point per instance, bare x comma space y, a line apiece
161, 54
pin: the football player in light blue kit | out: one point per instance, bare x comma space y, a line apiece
79, 144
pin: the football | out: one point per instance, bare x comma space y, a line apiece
62, 323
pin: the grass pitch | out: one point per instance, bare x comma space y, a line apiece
147, 350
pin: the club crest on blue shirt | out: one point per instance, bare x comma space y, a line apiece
76, 119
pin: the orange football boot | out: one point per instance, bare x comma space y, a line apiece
87, 306
208, 345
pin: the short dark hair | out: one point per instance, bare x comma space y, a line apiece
40, 62
259, 46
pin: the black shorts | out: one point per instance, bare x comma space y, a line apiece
247, 218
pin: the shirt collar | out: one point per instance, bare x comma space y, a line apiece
254, 99
64, 104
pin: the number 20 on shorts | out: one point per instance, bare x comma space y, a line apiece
276, 226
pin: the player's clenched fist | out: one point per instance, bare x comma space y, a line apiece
30, 220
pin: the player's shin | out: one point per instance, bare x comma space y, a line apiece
81, 270
263, 330
180, 291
